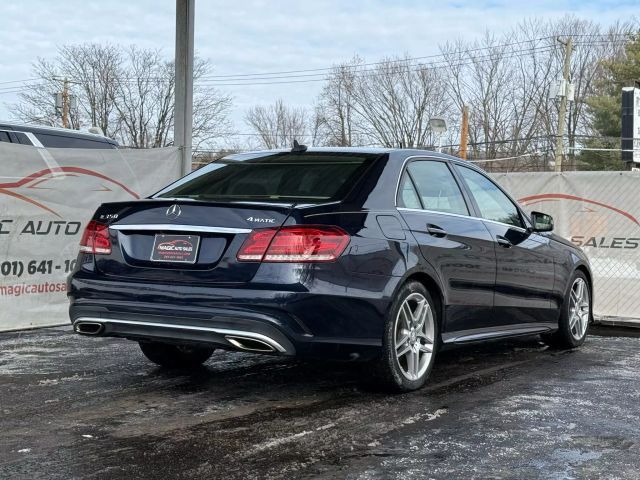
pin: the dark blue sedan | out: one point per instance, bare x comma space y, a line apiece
378, 255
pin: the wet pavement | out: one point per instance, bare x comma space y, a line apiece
74, 407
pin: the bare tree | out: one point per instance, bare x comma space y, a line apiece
335, 113
92, 69
395, 101
95, 70
37, 104
277, 125
145, 97
505, 82
504, 86
128, 92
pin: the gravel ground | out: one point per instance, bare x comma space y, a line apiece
74, 407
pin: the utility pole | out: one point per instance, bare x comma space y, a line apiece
65, 103
464, 132
183, 126
566, 73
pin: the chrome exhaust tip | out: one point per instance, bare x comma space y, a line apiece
250, 344
88, 328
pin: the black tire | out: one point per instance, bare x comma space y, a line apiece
388, 369
175, 356
565, 336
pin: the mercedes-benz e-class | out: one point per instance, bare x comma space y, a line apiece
377, 255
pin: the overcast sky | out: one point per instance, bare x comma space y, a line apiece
248, 36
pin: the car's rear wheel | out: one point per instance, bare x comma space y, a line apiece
410, 340
575, 316
175, 356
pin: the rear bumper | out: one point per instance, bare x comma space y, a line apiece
260, 338
306, 323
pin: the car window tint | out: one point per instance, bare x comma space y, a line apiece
437, 188
492, 202
22, 138
407, 195
62, 141
293, 177
4, 137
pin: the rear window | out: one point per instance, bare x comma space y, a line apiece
288, 177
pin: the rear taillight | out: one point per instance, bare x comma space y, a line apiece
95, 239
256, 244
310, 243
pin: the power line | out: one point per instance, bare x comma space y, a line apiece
548, 37
605, 38
19, 81
330, 69
375, 72
21, 88
358, 72
320, 74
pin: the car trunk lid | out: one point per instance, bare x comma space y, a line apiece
183, 241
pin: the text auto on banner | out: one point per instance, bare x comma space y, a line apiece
46, 198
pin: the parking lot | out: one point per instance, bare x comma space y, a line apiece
95, 408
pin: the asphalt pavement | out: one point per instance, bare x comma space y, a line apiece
77, 407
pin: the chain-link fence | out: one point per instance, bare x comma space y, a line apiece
600, 212
545, 162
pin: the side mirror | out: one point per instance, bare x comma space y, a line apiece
541, 222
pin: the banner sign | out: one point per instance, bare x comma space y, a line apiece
630, 142
46, 198
599, 212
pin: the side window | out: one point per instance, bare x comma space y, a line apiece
23, 139
4, 137
437, 188
407, 196
493, 204
60, 141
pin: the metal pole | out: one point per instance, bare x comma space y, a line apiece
566, 73
183, 129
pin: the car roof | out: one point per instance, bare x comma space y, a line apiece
62, 132
399, 153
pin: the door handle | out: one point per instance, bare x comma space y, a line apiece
435, 230
503, 242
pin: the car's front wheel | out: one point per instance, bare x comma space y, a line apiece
175, 356
575, 316
410, 340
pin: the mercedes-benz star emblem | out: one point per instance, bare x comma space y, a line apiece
174, 211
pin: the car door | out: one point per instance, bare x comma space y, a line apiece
454, 243
525, 268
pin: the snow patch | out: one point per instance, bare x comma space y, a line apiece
425, 416
279, 441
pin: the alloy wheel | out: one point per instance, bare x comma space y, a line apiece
579, 308
413, 336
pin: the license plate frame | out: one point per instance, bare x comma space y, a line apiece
168, 248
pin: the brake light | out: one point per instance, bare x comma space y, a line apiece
95, 239
309, 243
256, 244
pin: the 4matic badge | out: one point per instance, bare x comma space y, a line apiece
261, 220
